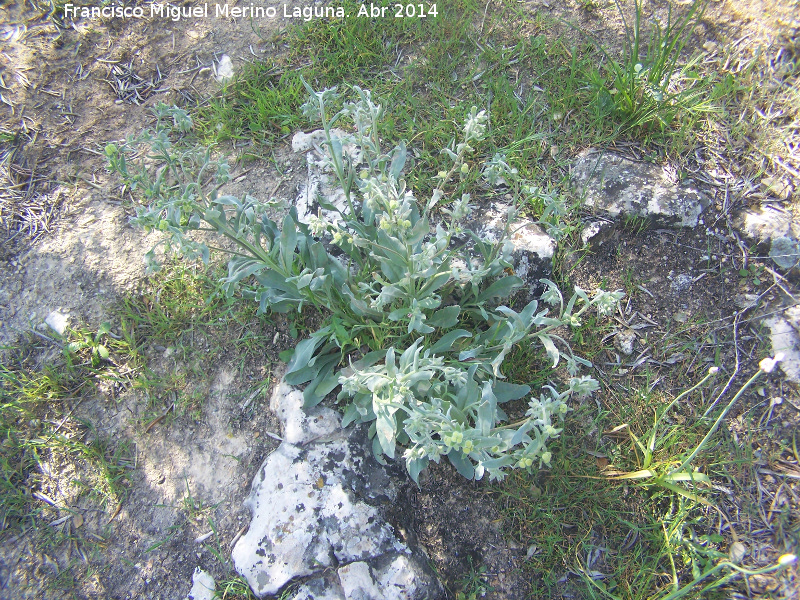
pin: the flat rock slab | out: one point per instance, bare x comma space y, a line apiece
315, 507
614, 186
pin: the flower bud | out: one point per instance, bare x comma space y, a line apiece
768, 364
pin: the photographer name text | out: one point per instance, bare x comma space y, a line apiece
225, 11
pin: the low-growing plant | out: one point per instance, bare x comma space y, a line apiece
93, 343
415, 335
648, 86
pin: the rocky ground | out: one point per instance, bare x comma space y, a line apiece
68, 88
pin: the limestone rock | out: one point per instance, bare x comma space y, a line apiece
533, 247
766, 223
223, 71
302, 426
615, 186
785, 252
57, 322
785, 338
321, 180
597, 231
316, 505
681, 283
321, 588
203, 586
624, 341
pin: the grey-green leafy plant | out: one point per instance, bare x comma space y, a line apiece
414, 335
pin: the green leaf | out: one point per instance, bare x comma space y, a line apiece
377, 451
520, 434
505, 391
445, 343
486, 410
434, 284
685, 476
501, 288
336, 149
418, 232
446, 317
351, 414
286, 355
385, 428
369, 359
288, 242
685, 493
643, 474
469, 354
398, 160
415, 466
305, 350
551, 349
321, 386
102, 351
462, 464
229, 201
408, 355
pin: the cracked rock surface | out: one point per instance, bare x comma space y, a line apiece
616, 186
316, 510
533, 248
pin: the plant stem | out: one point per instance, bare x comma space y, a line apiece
716, 424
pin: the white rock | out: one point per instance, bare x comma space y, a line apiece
203, 586
737, 552
767, 223
624, 341
224, 70
785, 339
315, 506
303, 142
681, 283
319, 589
393, 579
320, 180
299, 426
57, 322
396, 580
533, 248
357, 582
594, 232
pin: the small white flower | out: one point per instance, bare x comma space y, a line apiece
713, 370
768, 364
317, 225
786, 559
